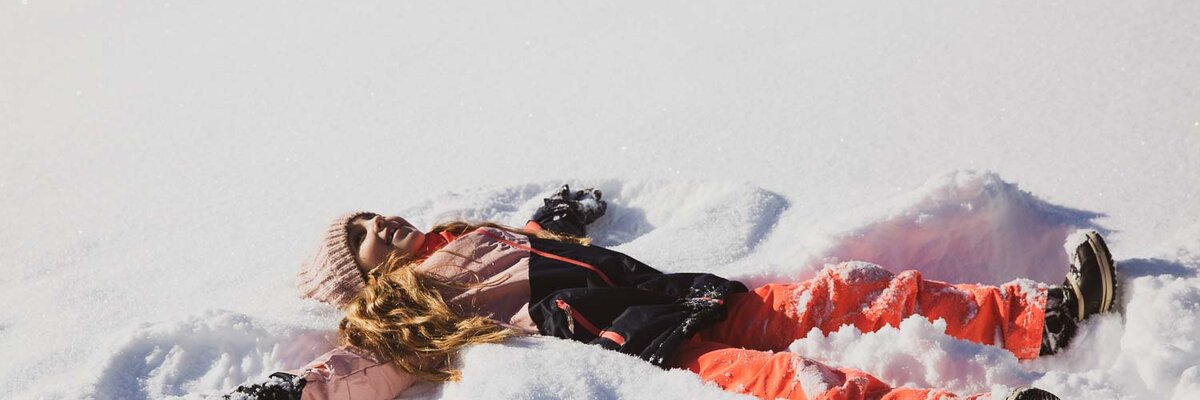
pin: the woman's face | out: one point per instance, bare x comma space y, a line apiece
373, 237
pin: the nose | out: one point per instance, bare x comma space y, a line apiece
378, 221
382, 225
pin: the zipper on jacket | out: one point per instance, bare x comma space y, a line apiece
574, 315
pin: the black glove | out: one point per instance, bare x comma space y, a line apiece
280, 386
567, 212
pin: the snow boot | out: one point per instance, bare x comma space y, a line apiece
1092, 278
1060, 323
1090, 288
1029, 393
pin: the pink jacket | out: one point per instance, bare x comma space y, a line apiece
348, 373
344, 373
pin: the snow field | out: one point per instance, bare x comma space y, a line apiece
164, 166
216, 350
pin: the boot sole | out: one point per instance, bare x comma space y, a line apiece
1107, 276
1107, 271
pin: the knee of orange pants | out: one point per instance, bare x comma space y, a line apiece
772, 375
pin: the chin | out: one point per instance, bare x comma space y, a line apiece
413, 241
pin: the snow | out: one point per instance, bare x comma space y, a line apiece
813, 377
551, 369
166, 166
918, 354
861, 272
1030, 289
963, 226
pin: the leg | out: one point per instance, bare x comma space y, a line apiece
869, 297
786, 375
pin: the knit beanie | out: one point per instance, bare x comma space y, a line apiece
333, 276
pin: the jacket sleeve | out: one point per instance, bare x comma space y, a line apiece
343, 373
649, 321
617, 268
559, 226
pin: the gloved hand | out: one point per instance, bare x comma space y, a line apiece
280, 386
568, 212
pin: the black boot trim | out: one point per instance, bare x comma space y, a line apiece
1060, 322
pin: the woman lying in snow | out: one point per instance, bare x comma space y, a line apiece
413, 300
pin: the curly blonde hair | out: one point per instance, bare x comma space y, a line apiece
401, 317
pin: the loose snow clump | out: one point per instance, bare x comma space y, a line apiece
917, 354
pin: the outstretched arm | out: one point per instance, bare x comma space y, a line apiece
339, 374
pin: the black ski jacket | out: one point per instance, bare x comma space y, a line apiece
603, 297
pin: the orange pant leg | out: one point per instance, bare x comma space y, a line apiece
869, 297
770, 375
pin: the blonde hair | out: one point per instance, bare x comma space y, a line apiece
402, 318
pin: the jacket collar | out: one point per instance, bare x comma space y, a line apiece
435, 242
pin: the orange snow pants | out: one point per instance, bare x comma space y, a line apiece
746, 352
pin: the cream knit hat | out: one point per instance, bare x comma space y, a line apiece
333, 276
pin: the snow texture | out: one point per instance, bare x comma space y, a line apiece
917, 354
967, 227
550, 369
166, 166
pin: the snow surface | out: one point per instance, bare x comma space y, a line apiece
919, 354
165, 166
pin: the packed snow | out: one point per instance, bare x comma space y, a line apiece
918, 353
166, 166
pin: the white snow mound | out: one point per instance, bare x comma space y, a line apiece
964, 226
917, 354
